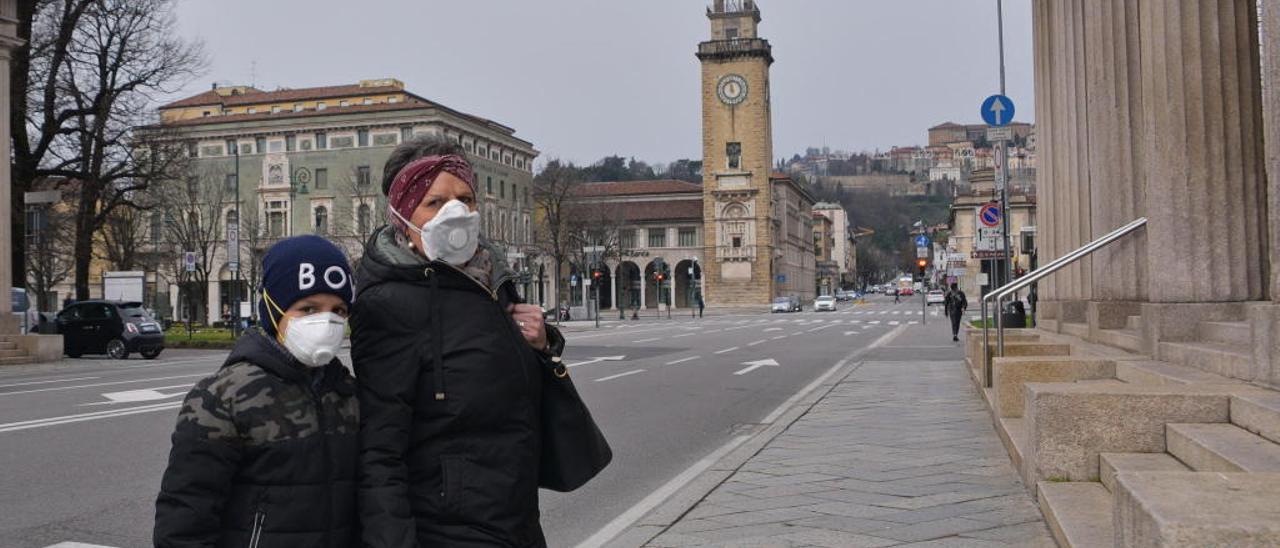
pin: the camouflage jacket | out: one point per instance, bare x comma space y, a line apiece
264, 454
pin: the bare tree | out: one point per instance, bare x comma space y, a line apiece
194, 224
254, 241
346, 227
553, 193
94, 68
124, 238
49, 255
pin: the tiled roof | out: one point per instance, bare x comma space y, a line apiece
631, 188
947, 125
662, 210
256, 96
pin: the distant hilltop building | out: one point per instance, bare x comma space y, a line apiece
950, 132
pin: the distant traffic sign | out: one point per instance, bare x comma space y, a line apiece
1000, 134
922, 241
189, 261
998, 111
989, 215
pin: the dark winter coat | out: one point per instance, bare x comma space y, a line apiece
264, 455
449, 394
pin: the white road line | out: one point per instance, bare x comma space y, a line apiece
876, 322
779, 337
32, 383
68, 419
620, 375
646, 340
731, 349
685, 335
757, 343
78, 386
797, 333
76, 545
895, 323
768, 329
682, 360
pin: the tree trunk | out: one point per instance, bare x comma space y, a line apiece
22, 169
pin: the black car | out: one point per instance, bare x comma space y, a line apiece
113, 328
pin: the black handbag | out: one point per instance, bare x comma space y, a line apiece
573, 448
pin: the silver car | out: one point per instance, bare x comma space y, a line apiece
824, 303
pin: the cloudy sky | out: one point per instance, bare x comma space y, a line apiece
582, 79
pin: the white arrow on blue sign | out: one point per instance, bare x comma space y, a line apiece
922, 241
998, 111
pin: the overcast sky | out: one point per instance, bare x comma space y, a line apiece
583, 79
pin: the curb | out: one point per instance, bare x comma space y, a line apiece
671, 510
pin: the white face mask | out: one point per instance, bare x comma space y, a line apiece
314, 340
452, 236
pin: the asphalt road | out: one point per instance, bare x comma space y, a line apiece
83, 443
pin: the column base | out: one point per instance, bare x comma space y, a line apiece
1264, 319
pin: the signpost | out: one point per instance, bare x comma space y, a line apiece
594, 254
999, 111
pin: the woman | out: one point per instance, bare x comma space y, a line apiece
449, 364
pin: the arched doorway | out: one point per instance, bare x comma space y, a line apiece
651, 294
605, 287
684, 295
629, 285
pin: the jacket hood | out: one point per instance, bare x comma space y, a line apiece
385, 260
259, 349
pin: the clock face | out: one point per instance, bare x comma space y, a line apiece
732, 89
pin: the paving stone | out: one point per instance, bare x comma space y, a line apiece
898, 454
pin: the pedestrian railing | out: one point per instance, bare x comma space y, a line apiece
1032, 277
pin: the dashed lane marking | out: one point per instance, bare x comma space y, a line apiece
727, 350
682, 360
620, 375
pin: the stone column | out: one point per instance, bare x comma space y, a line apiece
1202, 150
8, 41
1270, 24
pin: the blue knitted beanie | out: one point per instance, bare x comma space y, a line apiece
296, 268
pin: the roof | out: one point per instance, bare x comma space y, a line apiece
947, 125
662, 210
632, 188
256, 96
410, 104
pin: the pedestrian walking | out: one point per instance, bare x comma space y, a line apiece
456, 374
956, 303
701, 305
265, 450
897, 296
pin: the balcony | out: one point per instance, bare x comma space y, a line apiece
730, 253
738, 47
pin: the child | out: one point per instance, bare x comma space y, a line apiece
265, 450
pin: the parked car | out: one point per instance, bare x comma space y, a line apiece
906, 292
782, 304
936, 297
114, 328
824, 303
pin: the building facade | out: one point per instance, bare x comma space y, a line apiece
978, 265
844, 250
309, 161
827, 274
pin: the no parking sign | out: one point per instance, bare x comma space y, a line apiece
989, 215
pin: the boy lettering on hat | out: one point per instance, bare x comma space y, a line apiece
265, 450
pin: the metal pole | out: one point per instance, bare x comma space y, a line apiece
235, 289
924, 305
1004, 160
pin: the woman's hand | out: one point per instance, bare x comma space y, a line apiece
529, 318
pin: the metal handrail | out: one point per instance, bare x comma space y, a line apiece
1033, 277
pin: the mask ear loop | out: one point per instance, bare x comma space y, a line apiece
275, 322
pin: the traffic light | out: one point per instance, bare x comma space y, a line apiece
921, 265
596, 274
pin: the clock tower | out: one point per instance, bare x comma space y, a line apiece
737, 157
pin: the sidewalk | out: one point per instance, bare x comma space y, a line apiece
896, 450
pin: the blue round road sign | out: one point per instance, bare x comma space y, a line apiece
998, 111
990, 214
922, 241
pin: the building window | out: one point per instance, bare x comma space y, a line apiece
737, 242
276, 219
231, 147
362, 219
488, 185
688, 237
321, 106
157, 227
406, 134
290, 143
368, 101
231, 184
297, 107
362, 177
275, 146
627, 238
502, 189
734, 152
657, 237
252, 110
322, 178
322, 220
506, 160
275, 110
322, 140
362, 138
260, 145
393, 100
344, 103
470, 147
233, 218
493, 155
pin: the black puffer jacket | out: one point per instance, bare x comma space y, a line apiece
264, 455
449, 394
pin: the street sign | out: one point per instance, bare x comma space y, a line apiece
1000, 134
983, 279
189, 261
922, 241
782, 278
922, 253
233, 246
989, 214
997, 111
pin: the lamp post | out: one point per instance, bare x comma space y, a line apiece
233, 251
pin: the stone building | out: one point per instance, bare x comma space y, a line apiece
757, 228
310, 161
964, 226
827, 275
844, 251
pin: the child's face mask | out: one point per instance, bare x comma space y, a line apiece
314, 340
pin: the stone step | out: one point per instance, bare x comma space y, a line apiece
1078, 513
1052, 326
11, 353
1133, 323
7, 345
1217, 358
1196, 509
1258, 413
1075, 329
1069, 424
1222, 448
1112, 464
1165, 373
1010, 374
1124, 339
1013, 433
17, 360
1238, 334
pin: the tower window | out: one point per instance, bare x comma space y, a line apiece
734, 152
731, 34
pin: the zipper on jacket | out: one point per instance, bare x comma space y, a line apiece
325, 454
437, 332
255, 536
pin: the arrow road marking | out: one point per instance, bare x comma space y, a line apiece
142, 395
598, 360
620, 375
752, 366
